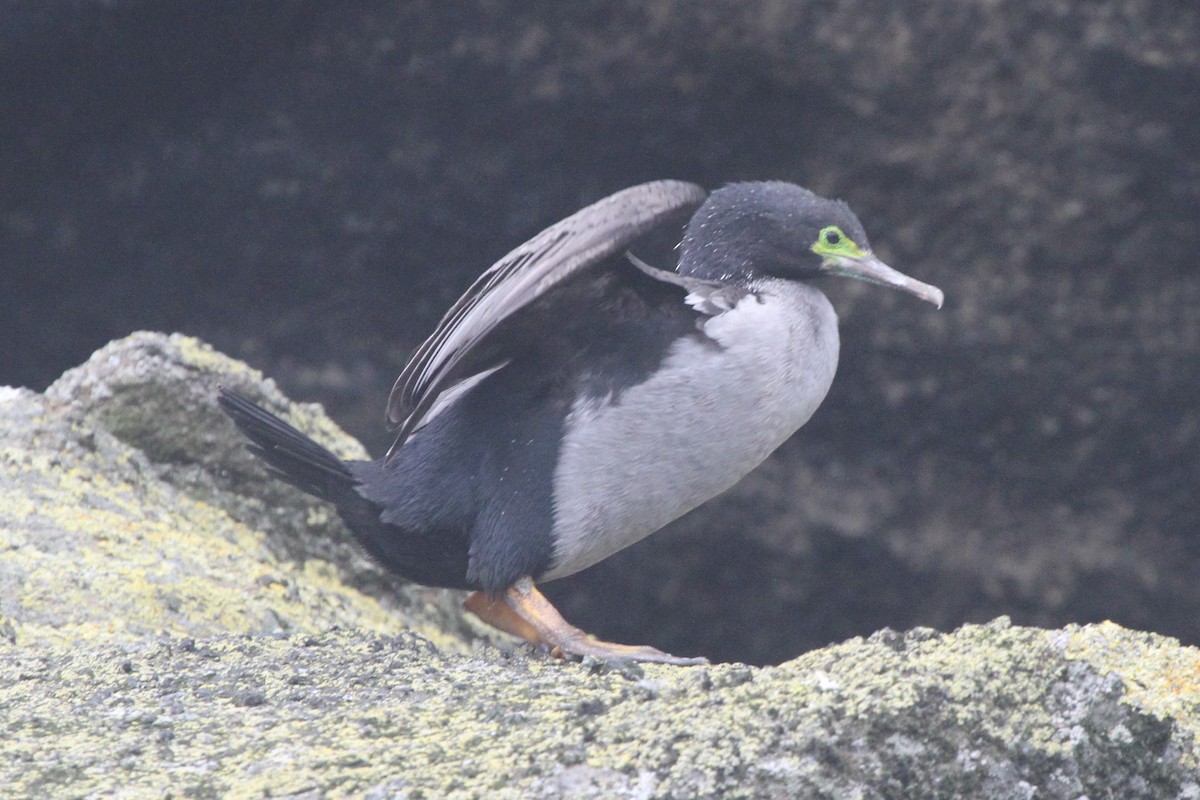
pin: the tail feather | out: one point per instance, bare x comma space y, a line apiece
428, 551
291, 455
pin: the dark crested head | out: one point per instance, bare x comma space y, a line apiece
772, 228
769, 227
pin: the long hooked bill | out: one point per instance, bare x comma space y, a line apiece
870, 269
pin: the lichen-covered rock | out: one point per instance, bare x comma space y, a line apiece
989, 711
129, 507
174, 621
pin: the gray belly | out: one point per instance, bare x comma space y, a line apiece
709, 416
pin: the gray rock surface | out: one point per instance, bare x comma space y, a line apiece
310, 186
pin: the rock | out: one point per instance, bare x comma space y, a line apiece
129, 507
176, 621
991, 711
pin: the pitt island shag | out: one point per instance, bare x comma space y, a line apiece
574, 401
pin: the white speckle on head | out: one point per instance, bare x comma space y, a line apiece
697, 426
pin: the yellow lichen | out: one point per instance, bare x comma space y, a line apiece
125, 558
1159, 676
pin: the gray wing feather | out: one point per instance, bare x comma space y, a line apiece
577, 242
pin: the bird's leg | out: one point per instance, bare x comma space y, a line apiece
525, 612
495, 612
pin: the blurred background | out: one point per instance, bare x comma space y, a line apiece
308, 186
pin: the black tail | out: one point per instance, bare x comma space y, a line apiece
292, 456
435, 555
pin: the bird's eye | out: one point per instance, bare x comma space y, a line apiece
832, 242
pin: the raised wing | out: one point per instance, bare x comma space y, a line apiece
576, 243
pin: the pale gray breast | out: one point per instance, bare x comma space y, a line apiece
696, 427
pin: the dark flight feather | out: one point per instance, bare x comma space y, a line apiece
521, 277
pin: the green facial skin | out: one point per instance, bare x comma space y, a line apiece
842, 256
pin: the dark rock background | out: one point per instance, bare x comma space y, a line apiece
308, 186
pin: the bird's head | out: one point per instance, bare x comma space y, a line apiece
745, 230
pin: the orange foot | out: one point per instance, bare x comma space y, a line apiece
525, 612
